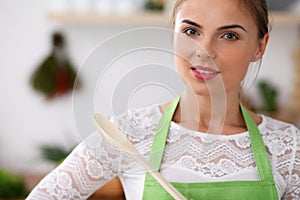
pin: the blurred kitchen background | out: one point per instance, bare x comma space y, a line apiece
37, 126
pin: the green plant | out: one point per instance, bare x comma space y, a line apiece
155, 5
55, 75
268, 94
11, 186
54, 153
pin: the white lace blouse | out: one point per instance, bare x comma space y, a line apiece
190, 156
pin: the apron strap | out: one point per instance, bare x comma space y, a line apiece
258, 147
160, 138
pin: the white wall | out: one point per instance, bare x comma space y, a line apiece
28, 121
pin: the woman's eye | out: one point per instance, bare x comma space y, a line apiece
191, 32
230, 36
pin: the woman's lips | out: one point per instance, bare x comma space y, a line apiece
204, 73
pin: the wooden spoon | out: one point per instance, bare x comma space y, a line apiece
119, 139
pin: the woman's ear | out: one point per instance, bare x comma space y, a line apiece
262, 45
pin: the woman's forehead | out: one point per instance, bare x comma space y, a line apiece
218, 12
213, 7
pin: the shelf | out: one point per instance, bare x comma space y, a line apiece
149, 18
285, 19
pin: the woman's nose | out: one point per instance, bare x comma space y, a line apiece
206, 49
203, 54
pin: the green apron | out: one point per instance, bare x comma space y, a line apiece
264, 189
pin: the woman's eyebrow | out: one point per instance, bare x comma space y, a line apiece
187, 21
231, 27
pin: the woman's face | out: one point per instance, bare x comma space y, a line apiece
218, 39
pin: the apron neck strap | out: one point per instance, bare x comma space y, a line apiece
160, 138
258, 147
257, 144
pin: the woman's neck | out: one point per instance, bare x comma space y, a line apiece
218, 114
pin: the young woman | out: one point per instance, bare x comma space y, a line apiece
238, 155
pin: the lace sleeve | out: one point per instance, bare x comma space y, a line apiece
91, 164
293, 185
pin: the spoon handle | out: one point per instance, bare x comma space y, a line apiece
118, 138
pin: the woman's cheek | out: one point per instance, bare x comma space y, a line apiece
180, 64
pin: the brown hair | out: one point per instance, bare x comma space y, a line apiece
257, 8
